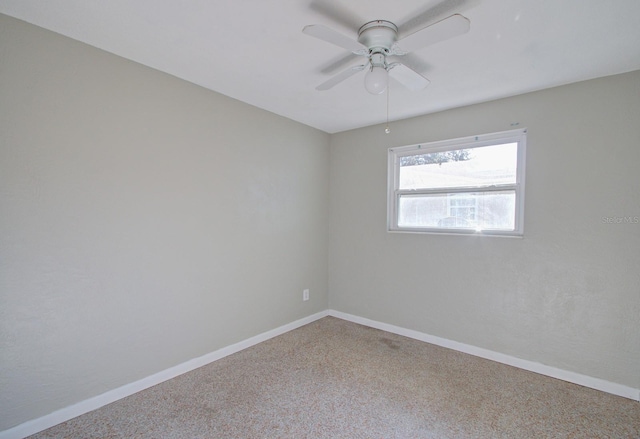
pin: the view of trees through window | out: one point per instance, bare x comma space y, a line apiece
436, 158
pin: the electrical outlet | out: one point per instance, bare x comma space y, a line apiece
305, 294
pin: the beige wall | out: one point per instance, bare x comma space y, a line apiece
144, 221
567, 295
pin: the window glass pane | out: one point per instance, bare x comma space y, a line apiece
477, 210
473, 167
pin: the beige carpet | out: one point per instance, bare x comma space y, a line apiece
336, 379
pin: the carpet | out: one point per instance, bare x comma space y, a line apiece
338, 379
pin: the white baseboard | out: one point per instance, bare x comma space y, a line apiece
565, 375
36, 425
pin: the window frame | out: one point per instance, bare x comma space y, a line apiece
518, 136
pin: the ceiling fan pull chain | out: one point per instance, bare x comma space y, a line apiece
387, 130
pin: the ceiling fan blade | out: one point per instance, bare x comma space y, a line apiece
411, 60
338, 64
337, 13
340, 77
329, 35
432, 13
442, 30
411, 79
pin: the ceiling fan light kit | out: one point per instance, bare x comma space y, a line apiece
378, 39
377, 78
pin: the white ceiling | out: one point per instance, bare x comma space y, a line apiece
254, 50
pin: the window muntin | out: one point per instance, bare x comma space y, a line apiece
470, 185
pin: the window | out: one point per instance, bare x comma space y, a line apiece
473, 185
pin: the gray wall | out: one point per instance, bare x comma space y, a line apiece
144, 221
567, 294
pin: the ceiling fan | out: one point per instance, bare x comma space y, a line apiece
378, 40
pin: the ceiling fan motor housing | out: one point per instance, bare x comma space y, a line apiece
379, 36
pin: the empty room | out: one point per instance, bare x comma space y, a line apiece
319, 219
